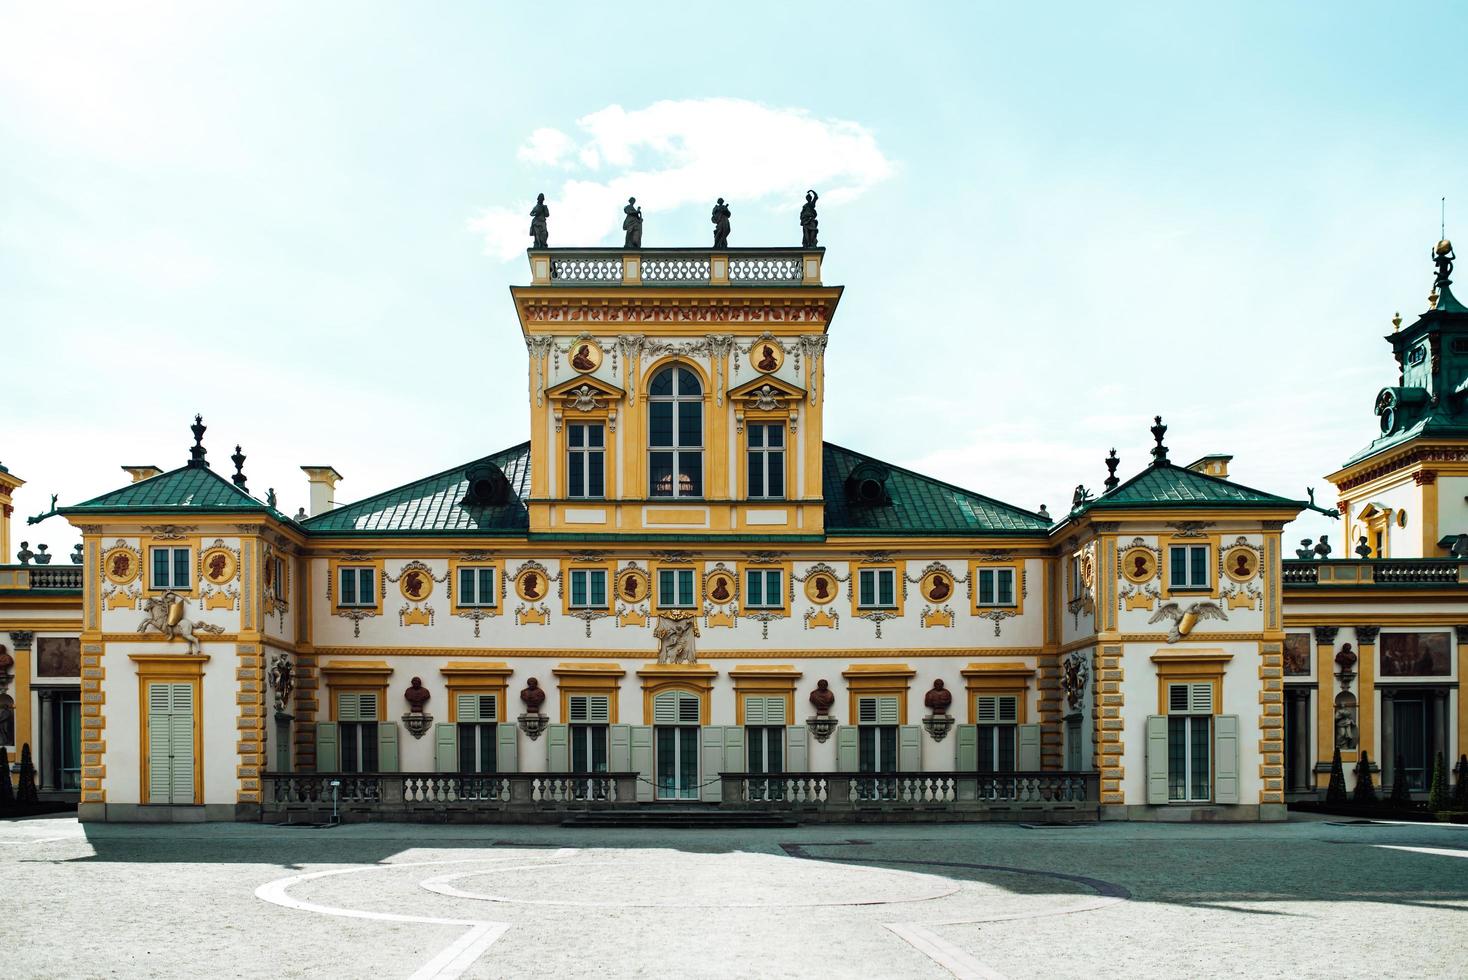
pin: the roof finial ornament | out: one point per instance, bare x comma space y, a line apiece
1443, 257
1396, 321
1159, 451
239, 468
1112, 462
196, 452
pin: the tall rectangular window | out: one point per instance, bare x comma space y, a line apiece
585, 462
357, 586
766, 463
1189, 566
170, 568
877, 588
763, 588
996, 586
1189, 742
588, 588
476, 585
357, 726
675, 433
675, 588
998, 726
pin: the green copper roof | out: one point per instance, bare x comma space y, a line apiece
1166, 485
920, 504
433, 504
186, 488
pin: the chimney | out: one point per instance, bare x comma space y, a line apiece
141, 473
1214, 465
323, 488
8, 485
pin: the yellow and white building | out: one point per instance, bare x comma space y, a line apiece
719, 607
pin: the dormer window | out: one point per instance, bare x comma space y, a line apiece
675, 433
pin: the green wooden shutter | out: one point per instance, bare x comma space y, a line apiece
446, 748
507, 748
619, 748
711, 762
797, 753
642, 760
734, 760
1156, 759
1226, 759
478, 707
910, 748
328, 752
846, 752
1029, 748
968, 748
387, 744
170, 743
558, 748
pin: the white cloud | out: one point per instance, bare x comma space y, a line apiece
676, 153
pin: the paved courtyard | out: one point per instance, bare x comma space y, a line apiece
1308, 898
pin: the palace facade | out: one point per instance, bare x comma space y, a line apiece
677, 592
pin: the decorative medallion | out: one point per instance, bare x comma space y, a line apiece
766, 356
586, 355
1139, 565
1241, 563
719, 587
531, 585
120, 564
937, 586
218, 565
415, 584
632, 585
820, 588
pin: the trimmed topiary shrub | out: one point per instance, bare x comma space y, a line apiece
25, 793
1437, 790
1401, 792
1365, 791
1336, 791
1460, 784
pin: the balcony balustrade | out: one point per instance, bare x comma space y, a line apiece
676, 267
1388, 572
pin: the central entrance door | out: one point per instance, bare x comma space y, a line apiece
676, 715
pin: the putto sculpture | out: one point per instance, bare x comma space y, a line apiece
539, 234
632, 224
720, 219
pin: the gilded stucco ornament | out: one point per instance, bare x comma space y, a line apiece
1184, 620
675, 635
165, 615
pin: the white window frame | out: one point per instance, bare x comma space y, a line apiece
876, 575
586, 576
678, 579
170, 584
994, 576
358, 601
762, 454
477, 601
1189, 584
586, 451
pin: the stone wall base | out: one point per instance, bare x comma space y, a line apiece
1204, 813
158, 813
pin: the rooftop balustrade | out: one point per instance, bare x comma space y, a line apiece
1375, 572
41, 578
676, 267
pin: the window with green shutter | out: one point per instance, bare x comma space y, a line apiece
998, 717
356, 715
1189, 742
171, 743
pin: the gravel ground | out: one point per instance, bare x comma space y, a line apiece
1305, 899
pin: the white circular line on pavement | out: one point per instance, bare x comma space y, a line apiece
450, 963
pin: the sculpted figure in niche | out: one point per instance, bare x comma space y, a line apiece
721, 590
532, 585
767, 358
1345, 720
582, 361
414, 585
939, 591
417, 695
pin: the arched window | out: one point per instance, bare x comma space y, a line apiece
675, 433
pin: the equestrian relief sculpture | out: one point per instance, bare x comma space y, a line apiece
165, 614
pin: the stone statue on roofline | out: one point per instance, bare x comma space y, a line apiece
720, 219
632, 224
539, 234
809, 225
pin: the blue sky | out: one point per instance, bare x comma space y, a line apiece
1053, 223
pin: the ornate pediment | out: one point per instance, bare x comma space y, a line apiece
767, 394
585, 394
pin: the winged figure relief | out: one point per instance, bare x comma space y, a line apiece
1183, 620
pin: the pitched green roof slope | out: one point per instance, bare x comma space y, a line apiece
920, 504
1166, 485
432, 504
186, 488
